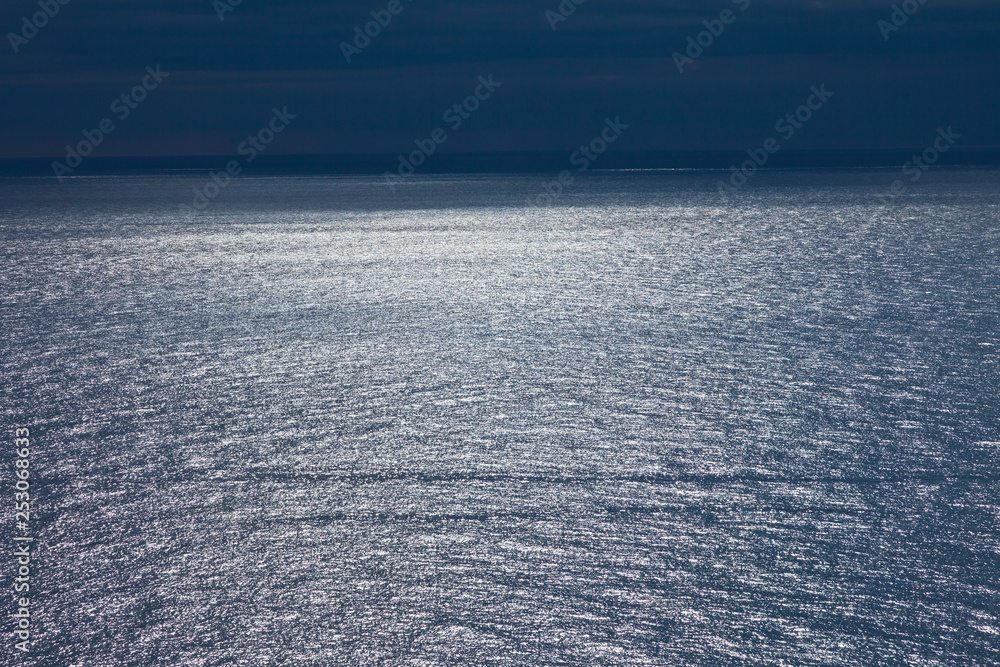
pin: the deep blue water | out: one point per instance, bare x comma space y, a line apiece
326, 424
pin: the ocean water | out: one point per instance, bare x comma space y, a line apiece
324, 423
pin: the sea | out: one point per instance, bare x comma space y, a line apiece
319, 420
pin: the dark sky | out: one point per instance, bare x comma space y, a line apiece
610, 58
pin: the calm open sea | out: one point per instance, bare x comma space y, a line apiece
324, 423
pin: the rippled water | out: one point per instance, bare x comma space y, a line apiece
325, 424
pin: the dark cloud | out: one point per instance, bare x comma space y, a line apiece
608, 59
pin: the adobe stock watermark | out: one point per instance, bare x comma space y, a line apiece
582, 158
788, 125
122, 107
704, 39
363, 38
918, 164
38, 20
254, 145
901, 13
455, 116
565, 9
223, 7
22, 542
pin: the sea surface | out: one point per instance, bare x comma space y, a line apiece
323, 422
